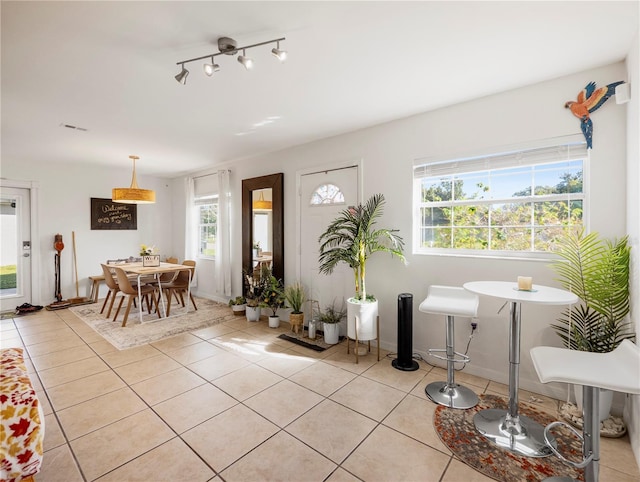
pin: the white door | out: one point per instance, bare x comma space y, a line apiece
15, 247
337, 189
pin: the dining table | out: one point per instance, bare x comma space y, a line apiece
139, 270
507, 428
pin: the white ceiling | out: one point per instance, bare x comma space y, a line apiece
109, 67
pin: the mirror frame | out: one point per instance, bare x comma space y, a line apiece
276, 183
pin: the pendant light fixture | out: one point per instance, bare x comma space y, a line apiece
262, 204
133, 194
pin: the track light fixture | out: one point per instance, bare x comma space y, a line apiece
281, 55
228, 46
182, 76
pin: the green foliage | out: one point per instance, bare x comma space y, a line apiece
254, 286
295, 296
597, 271
331, 314
238, 300
351, 238
499, 225
8, 276
273, 295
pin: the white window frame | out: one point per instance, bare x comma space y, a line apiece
204, 201
511, 156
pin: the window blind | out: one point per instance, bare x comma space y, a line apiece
522, 157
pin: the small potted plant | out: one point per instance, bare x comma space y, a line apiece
273, 298
331, 317
254, 289
295, 296
238, 305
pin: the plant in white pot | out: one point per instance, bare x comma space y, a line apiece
352, 238
254, 288
273, 298
597, 271
238, 305
295, 296
330, 318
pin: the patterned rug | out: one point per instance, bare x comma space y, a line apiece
151, 329
457, 431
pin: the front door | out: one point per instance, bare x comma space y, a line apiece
15, 247
323, 195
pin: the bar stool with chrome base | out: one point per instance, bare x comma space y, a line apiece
450, 301
618, 370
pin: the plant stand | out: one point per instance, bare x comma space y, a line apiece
356, 348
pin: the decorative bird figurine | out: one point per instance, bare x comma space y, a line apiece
589, 100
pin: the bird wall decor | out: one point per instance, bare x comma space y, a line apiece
588, 101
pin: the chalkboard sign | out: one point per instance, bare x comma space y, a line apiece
106, 214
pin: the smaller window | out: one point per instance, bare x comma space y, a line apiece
327, 194
207, 215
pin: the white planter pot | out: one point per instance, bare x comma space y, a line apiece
253, 313
274, 321
606, 399
331, 333
364, 316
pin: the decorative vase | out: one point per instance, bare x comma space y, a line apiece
239, 310
331, 333
364, 316
253, 313
296, 320
274, 321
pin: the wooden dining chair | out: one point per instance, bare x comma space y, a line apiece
112, 284
165, 277
180, 285
128, 290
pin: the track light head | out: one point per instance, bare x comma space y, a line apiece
182, 76
209, 69
281, 55
246, 61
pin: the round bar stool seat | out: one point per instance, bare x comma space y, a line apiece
450, 301
618, 370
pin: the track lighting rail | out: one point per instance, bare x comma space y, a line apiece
231, 51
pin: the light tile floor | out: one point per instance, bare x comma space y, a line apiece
233, 402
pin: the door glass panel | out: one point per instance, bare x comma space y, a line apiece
9, 251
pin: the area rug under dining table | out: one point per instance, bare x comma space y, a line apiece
152, 328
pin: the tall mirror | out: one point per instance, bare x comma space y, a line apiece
263, 223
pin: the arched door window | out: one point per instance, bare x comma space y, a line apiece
327, 194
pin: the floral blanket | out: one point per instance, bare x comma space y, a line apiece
22, 428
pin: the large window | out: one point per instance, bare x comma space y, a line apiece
207, 215
518, 201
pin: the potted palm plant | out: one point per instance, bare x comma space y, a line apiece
295, 296
273, 298
352, 238
597, 271
330, 317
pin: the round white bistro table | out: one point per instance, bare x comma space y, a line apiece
506, 428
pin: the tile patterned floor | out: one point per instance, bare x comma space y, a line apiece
234, 403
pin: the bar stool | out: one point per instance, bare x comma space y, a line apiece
618, 370
450, 301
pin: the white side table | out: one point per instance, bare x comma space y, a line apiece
506, 428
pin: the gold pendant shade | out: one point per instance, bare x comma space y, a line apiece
133, 194
261, 203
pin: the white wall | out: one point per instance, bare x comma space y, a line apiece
527, 114
65, 193
632, 411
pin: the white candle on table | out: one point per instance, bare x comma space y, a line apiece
525, 283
